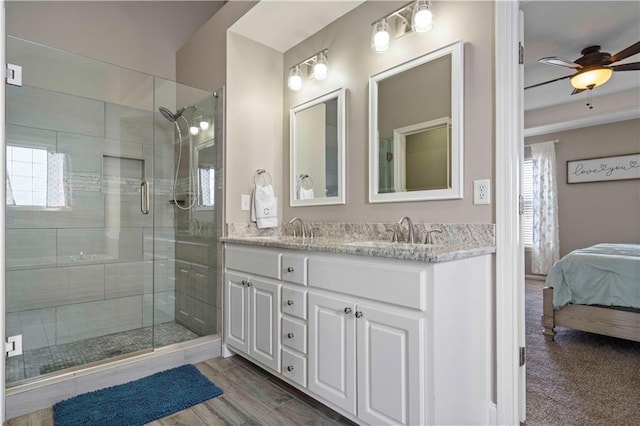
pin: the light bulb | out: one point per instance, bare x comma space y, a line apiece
320, 68
421, 18
295, 78
591, 78
194, 129
204, 123
381, 36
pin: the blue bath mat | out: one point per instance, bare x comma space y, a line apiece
138, 402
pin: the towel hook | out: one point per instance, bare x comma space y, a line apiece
266, 177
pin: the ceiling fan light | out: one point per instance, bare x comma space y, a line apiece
589, 79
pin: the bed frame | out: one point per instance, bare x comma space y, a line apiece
594, 319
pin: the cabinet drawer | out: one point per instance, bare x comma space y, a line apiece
294, 367
383, 280
260, 261
294, 302
294, 335
294, 268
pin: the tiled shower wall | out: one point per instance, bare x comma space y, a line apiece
86, 270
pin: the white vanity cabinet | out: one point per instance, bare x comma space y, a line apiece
382, 341
366, 355
252, 304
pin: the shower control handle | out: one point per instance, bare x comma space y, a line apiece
145, 197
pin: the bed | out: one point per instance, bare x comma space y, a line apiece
595, 289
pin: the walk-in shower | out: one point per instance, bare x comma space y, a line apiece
91, 274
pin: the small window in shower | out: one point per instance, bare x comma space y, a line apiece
35, 178
205, 157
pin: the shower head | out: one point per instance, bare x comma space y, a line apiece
166, 113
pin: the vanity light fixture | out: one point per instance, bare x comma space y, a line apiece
295, 78
316, 67
416, 17
422, 16
204, 123
194, 128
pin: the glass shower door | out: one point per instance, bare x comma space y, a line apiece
79, 145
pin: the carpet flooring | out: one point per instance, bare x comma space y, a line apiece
580, 378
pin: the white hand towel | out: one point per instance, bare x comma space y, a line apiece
264, 210
306, 194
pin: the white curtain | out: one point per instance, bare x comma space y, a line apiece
545, 249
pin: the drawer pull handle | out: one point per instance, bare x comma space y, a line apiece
347, 310
290, 368
290, 335
290, 269
359, 314
289, 302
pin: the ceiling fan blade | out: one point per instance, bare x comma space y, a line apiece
625, 53
633, 66
546, 82
556, 60
576, 91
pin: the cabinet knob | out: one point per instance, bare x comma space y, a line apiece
347, 310
359, 314
290, 269
244, 282
289, 302
290, 335
289, 367
249, 284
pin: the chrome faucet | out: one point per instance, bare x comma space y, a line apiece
303, 230
410, 232
428, 239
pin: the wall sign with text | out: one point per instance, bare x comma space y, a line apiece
604, 168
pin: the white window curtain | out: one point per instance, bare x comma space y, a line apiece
545, 249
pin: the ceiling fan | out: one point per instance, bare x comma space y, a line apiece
593, 68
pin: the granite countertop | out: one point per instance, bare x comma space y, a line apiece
417, 252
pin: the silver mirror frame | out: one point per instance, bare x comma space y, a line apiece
340, 95
456, 191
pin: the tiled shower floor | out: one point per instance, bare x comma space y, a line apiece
47, 360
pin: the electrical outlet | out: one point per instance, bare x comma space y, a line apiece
482, 191
245, 202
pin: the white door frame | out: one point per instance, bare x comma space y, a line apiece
509, 273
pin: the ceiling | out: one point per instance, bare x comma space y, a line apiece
564, 28
291, 21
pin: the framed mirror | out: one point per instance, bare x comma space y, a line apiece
317, 148
416, 129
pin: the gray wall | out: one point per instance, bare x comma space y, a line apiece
139, 35
351, 62
595, 212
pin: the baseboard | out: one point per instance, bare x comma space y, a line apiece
27, 398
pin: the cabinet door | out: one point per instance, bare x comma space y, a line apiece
264, 343
390, 366
236, 324
332, 360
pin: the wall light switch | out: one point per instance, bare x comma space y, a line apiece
245, 202
482, 191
